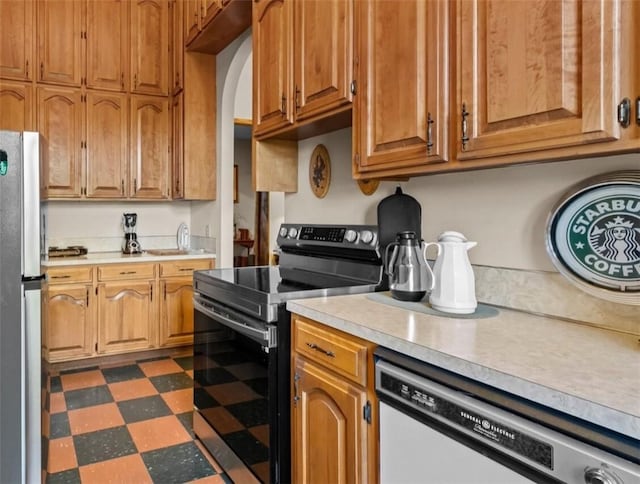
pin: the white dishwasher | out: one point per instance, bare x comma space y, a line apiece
433, 432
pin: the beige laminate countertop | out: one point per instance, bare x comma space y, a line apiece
584, 371
119, 257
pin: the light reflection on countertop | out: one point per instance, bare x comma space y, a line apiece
584, 371
119, 257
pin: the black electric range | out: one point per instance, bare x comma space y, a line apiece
242, 341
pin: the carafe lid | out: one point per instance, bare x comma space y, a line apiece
451, 236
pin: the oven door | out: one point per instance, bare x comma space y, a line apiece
235, 390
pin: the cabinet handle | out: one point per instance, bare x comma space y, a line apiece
151, 291
122, 186
429, 133
314, 346
465, 137
177, 79
186, 269
165, 292
177, 186
135, 81
87, 297
122, 80
127, 272
284, 106
26, 65
296, 378
41, 70
624, 112
297, 99
638, 110
135, 185
66, 276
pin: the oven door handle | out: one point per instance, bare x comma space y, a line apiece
266, 338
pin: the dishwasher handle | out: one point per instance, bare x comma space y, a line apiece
266, 337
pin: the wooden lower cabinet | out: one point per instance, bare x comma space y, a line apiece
68, 321
176, 312
126, 316
334, 407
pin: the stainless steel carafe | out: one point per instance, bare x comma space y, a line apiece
410, 277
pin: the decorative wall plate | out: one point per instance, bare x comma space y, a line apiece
593, 236
369, 186
320, 171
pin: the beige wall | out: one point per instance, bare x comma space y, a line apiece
503, 209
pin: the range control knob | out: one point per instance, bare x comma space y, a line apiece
600, 475
367, 237
293, 232
283, 231
350, 236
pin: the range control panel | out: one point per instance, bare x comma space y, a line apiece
346, 235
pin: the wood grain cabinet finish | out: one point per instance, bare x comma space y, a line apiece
535, 75
149, 153
126, 316
16, 106
176, 312
332, 389
400, 109
272, 65
106, 146
177, 45
107, 35
60, 50
68, 313
149, 47
17, 39
60, 120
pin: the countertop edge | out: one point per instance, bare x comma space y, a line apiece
595, 413
118, 258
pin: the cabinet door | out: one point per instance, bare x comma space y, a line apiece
59, 41
210, 8
16, 106
272, 58
177, 162
192, 17
329, 433
125, 316
17, 36
149, 158
106, 150
401, 104
60, 121
177, 44
107, 44
68, 330
176, 312
323, 55
535, 75
149, 47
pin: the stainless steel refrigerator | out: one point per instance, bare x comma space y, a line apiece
20, 330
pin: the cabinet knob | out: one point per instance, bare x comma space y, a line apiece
429, 133
465, 136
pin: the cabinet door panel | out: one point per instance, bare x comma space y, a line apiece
323, 55
16, 39
107, 44
125, 315
177, 163
329, 410
149, 159
401, 106
16, 106
176, 313
60, 122
107, 118
68, 328
59, 46
535, 75
272, 58
150, 46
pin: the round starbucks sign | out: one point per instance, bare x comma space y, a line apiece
593, 236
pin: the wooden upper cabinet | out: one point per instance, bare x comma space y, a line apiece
106, 151
17, 37
191, 19
272, 58
149, 47
16, 106
323, 55
400, 109
107, 44
177, 45
535, 75
60, 121
60, 56
210, 8
149, 155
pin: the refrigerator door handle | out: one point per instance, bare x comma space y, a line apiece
32, 383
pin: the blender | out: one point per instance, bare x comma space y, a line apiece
130, 245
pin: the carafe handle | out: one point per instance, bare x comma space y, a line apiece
388, 262
426, 262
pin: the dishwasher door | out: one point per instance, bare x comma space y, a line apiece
412, 453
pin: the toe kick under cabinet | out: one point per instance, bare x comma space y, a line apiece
106, 309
